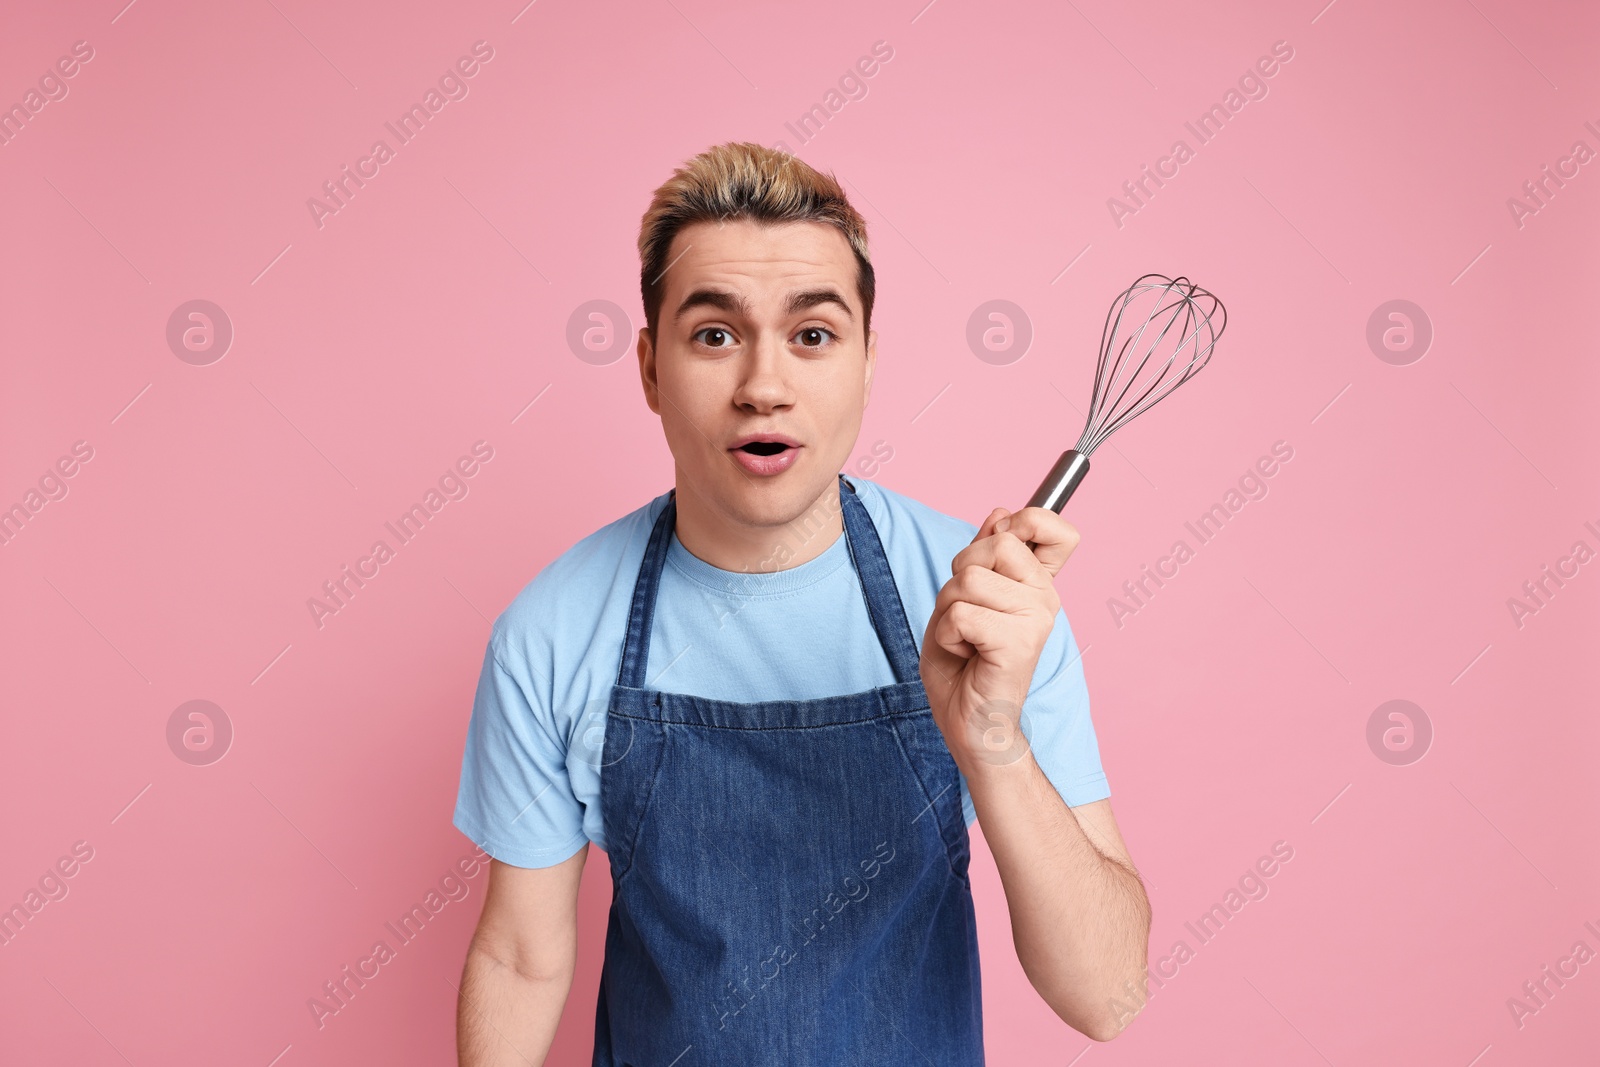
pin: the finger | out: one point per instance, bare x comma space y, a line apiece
1053, 537
988, 524
977, 588
992, 634
940, 604
1004, 553
955, 646
938, 665
991, 589
930, 641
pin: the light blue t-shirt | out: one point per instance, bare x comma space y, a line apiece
530, 776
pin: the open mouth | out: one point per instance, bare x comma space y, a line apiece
765, 458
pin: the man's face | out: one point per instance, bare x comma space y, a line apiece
759, 335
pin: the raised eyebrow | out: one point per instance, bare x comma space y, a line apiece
810, 298
732, 303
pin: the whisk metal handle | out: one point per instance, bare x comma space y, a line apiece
1058, 485
1061, 481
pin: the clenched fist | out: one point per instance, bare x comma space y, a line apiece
988, 627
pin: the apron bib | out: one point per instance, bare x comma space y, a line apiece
789, 877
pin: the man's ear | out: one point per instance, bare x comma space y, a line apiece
872, 365
647, 369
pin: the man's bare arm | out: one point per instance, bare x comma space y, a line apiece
519, 965
1080, 919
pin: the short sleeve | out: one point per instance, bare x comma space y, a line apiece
515, 800
1057, 725
1057, 710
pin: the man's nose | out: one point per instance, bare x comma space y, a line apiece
763, 384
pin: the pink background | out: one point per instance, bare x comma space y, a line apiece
431, 311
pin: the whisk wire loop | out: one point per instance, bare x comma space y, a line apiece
1136, 371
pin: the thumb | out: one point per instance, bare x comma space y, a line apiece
998, 520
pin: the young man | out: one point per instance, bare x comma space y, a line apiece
724, 691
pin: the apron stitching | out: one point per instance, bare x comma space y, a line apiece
644, 807
949, 856
895, 629
772, 729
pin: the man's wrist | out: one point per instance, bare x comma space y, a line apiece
1005, 773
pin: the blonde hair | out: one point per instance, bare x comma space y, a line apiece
742, 180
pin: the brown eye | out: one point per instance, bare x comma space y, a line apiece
721, 334
811, 336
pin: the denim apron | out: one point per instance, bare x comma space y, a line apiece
789, 877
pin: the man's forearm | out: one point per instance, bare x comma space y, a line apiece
1079, 919
504, 1018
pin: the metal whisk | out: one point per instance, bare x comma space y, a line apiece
1158, 334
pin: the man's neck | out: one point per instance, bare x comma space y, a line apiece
746, 548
